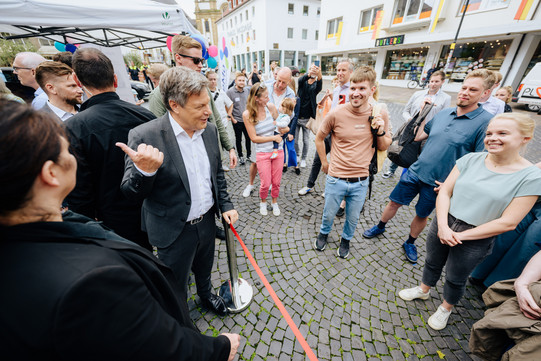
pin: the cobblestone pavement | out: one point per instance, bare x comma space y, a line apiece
346, 309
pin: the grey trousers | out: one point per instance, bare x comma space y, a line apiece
459, 261
301, 125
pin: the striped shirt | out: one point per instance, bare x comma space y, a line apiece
265, 128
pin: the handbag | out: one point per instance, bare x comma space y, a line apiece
322, 109
381, 154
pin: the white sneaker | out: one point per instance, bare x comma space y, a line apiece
263, 209
414, 293
303, 163
438, 321
323, 194
226, 168
304, 191
247, 191
275, 209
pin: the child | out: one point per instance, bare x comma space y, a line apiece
286, 110
505, 93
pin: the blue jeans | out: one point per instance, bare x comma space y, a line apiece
354, 193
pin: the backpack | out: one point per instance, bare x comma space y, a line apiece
404, 150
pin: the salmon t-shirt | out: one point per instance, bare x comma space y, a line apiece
351, 148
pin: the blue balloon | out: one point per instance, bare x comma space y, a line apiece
59, 46
71, 48
212, 63
226, 52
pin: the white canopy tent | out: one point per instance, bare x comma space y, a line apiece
139, 24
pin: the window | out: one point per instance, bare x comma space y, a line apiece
45, 42
332, 27
242, 38
304, 34
290, 33
246, 15
235, 20
241, 17
254, 34
411, 10
231, 23
305, 10
317, 34
318, 11
480, 5
368, 18
290, 8
207, 26
253, 11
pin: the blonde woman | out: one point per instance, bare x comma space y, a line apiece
486, 194
259, 118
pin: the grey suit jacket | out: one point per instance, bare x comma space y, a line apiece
48, 110
166, 195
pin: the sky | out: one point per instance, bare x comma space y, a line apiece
188, 6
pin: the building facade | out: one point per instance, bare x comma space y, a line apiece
207, 12
262, 31
402, 40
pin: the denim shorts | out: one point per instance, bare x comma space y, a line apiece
408, 188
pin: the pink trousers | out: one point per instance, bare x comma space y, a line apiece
270, 171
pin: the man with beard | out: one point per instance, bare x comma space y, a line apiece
56, 80
452, 133
352, 131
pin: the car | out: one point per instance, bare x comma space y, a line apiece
13, 84
294, 70
142, 89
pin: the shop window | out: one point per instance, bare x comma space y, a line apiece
480, 5
467, 57
290, 33
359, 59
291, 9
328, 64
404, 64
368, 19
412, 10
305, 10
289, 58
332, 27
304, 34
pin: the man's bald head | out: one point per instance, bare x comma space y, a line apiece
24, 66
29, 60
283, 78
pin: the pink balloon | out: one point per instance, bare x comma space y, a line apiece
168, 42
213, 50
223, 42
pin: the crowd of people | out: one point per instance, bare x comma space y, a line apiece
108, 182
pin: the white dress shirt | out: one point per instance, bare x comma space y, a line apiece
494, 105
340, 90
63, 115
222, 101
441, 101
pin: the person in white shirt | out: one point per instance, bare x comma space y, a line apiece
433, 95
490, 103
24, 65
225, 107
56, 80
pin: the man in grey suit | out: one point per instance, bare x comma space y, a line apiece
177, 170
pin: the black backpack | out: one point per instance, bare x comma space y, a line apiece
404, 150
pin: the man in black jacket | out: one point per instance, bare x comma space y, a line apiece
104, 119
310, 85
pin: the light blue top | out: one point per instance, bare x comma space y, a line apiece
481, 195
449, 138
265, 128
40, 99
283, 120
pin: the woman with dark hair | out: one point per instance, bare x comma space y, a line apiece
72, 289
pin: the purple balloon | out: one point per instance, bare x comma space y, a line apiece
226, 52
71, 48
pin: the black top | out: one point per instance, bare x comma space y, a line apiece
507, 108
104, 120
307, 94
73, 290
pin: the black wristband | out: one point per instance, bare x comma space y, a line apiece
380, 135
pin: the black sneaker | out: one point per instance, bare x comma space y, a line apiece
343, 250
241, 161
321, 241
340, 212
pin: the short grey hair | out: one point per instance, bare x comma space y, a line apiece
29, 59
351, 66
179, 83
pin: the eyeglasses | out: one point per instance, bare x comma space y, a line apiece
17, 68
195, 59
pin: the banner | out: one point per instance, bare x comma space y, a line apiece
377, 24
523, 9
436, 18
339, 33
224, 71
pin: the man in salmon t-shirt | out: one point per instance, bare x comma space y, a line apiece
351, 152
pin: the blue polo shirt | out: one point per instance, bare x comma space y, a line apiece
449, 138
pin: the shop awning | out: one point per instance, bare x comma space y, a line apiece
138, 24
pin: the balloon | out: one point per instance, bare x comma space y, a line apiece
77, 45
169, 42
213, 51
223, 42
221, 54
226, 52
203, 46
212, 63
71, 48
59, 46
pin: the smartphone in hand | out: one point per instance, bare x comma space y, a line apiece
316, 63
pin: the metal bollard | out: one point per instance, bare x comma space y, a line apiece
236, 292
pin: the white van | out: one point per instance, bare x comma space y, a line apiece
529, 92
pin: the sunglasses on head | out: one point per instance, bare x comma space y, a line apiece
195, 59
261, 86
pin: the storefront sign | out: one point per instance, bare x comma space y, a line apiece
391, 40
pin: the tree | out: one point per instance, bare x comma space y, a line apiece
133, 56
9, 48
